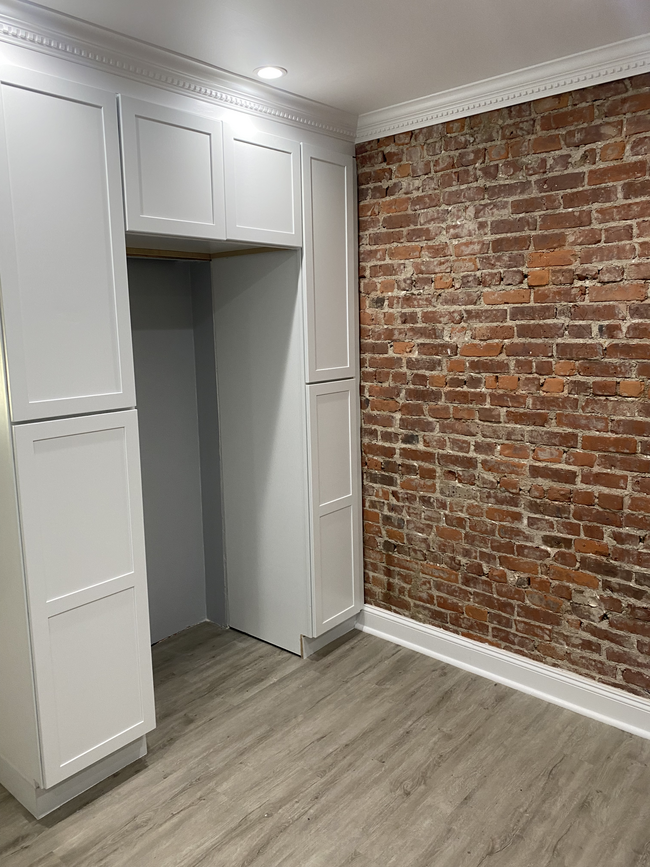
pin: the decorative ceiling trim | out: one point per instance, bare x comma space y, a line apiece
80, 42
607, 63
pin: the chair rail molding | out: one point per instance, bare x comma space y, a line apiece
584, 69
555, 685
63, 36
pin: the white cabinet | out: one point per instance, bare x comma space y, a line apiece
76, 689
335, 475
62, 249
173, 171
330, 264
83, 550
262, 188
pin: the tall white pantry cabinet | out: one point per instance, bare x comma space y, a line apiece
76, 690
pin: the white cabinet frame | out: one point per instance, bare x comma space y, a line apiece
39, 343
99, 618
262, 174
330, 264
185, 175
335, 488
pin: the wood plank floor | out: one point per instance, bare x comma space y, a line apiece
369, 756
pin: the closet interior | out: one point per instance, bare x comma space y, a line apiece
220, 394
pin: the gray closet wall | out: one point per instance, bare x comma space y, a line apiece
173, 348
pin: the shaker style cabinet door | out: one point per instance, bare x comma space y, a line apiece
335, 477
262, 188
173, 171
330, 264
83, 545
62, 249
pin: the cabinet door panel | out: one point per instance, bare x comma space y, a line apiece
335, 503
173, 171
262, 189
337, 567
83, 538
330, 244
96, 684
62, 250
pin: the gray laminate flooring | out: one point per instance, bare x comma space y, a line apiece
369, 756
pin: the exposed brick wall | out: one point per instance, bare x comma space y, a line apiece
505, 263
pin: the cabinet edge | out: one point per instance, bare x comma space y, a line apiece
40, 802
19, 739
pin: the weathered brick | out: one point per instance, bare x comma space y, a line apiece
505, 264
624, 445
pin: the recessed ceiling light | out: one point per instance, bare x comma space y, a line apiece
270, 71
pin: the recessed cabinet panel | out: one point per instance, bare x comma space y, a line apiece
173, 171
96, 684
334, 468
262, 189
81, 491
79, 483
335, 502
336, 565
330, 264
62, 252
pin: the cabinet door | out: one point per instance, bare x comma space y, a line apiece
173, 171
330, 264
335, 478
62, 249
262, 188
83, 547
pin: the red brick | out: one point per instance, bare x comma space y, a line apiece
618, 292
622, 445
628, 104
505, 377
481, 349
553, 385
571, 576
591, 546
569, 117
508, 515
545, 143
551, 259
508, 296
547, 453
616, 173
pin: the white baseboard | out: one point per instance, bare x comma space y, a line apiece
40, 802
595, 700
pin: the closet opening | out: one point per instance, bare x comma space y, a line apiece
220, 388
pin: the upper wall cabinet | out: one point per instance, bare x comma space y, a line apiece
262, 188
173, 171
62, 252
330, 268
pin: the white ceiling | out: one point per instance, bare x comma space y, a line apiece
362, 55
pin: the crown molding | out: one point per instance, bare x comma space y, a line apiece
34, 27
607, 63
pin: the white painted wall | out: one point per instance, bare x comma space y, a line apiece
263, 424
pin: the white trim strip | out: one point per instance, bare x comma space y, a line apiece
607, 63
595, 700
